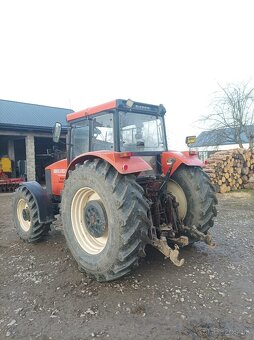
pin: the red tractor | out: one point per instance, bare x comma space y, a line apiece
118, 190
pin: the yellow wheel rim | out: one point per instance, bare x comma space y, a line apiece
92, 245
25, 223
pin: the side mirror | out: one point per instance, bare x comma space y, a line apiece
189, 140
57, 132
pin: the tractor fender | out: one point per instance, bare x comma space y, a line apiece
42, 200
179, 158
123, 162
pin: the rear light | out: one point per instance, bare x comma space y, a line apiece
125, 154
125, 167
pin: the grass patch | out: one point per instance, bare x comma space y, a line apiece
248, 191
242, 192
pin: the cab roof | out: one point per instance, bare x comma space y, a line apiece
121, 104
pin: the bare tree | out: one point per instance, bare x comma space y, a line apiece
232, 113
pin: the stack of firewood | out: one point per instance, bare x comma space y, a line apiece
231, 169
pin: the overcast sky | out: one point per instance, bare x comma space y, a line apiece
77, 54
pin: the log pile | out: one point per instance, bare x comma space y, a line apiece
231, 169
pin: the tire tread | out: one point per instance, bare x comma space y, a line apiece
133, 209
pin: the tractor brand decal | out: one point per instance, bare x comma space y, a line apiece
59, 171
142, 107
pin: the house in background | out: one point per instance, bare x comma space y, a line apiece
26, 136
209, 142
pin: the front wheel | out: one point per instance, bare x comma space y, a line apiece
105, 219
196, 197
26, 217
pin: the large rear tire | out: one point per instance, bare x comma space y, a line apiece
105, 219
196, 197
26, 217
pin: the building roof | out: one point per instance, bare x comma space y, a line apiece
19, 115
220, 137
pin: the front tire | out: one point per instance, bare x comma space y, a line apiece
196, 197
105, 219
26, 217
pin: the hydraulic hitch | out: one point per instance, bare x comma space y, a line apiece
207, 238
173, 254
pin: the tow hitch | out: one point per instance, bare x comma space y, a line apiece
173, 254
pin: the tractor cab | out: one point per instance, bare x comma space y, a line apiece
118, 126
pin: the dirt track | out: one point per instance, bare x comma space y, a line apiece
44, 296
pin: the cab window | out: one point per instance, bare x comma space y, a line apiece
102, 133
79, 138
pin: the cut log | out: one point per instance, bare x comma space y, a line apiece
231, 169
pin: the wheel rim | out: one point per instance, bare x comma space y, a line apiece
93, 242
179, 194
23, 214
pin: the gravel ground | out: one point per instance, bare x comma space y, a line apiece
44, 296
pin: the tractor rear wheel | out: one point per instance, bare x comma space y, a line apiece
26, 218
196, 197
105, 219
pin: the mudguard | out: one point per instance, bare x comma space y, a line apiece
123, 164
178, 158
42, 200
